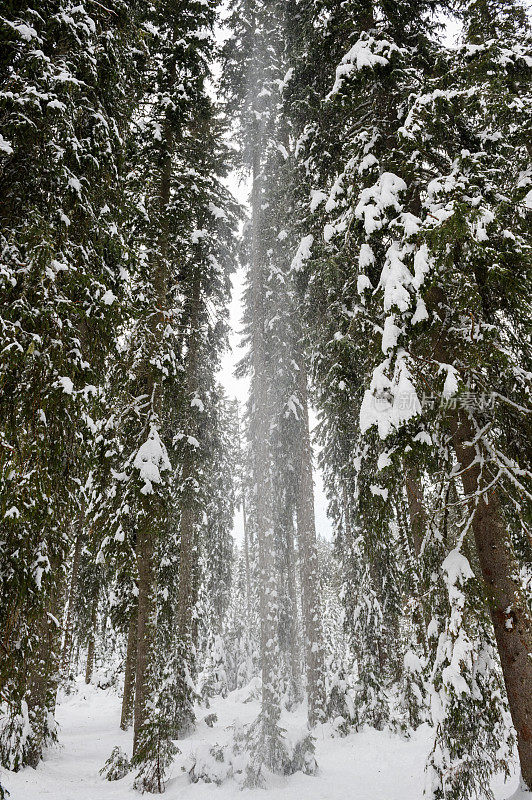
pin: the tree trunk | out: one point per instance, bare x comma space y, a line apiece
260, 440
67, 644
244, 516
418, 529
43, 674
309, 568
508, 607
189, 510
148, 532
246, 553
294, 643
92, 639
146, 625
128, 696
416, 510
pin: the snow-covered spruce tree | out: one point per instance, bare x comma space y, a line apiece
434, 221
340, 668
256, 74
290, 437
291, 446
473, 223
252, 64
322, 131
166, 415
65, 74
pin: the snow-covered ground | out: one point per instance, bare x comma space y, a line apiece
368, 765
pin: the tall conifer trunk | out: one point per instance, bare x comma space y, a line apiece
146, 624
260, 432
128, 696
148, 532
187, 541
309, 568
89, 667
416, 511
293, 627
418, 528
246, 553
67, 644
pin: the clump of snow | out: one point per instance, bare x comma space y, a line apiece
379, 491
216, 211
450, 387
151, 460
395, 279
366, 257
420, 313
303, 252
12, 513
376, 199
197, 235
421, 266
412, 663
390, 334
384, 461
75, 184
5, 146
65, 384
363, 283
423, 437
389, 404
316, 198
457, 568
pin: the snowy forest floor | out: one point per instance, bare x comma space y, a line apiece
368, 765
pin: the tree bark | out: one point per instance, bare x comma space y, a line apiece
189, 511
246, 553
309, 568
295, 655
43, 676
147, 534
418, 529
416, 510
67, 644
260, 438
145, 624
92, 639
128, 696
244, 516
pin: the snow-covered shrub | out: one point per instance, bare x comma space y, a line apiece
411, 705
22, 732
240, 758
117, 765
212, 680
14, 731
